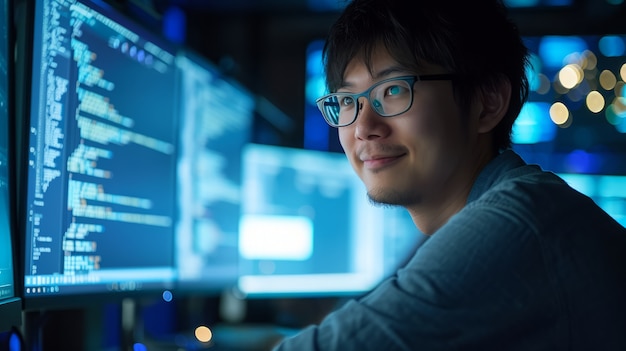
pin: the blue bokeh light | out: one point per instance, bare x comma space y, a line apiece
175, 24
533, 125
553, 49
580, 161
15, 342
611, 46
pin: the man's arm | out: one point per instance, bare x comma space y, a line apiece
481, 281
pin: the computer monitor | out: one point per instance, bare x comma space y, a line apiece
308, 229
100, 192
216, 122
10, 304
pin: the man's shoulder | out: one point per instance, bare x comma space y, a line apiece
541, 200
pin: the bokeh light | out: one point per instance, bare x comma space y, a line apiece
167, 296
607, 80
611, 46
570, 76
559, 114
595, 102
203, 333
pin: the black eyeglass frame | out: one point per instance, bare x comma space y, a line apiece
411, 80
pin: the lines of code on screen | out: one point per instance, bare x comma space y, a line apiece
101, 155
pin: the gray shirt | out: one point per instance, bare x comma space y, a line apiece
528, 264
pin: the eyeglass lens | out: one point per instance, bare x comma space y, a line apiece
387, 99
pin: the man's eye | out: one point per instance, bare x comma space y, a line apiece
346, 101
394, 90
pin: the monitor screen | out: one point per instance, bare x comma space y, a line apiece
10, 305
308, 229
216, 119
100, 193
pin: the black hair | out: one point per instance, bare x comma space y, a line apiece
474, 39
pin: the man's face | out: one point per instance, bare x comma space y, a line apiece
419, 159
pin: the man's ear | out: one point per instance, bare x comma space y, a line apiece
495, 99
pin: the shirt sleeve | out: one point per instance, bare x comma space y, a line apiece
481, 277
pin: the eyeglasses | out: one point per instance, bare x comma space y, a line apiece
389, 97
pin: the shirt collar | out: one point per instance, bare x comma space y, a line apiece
502, 163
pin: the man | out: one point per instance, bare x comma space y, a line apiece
424, 95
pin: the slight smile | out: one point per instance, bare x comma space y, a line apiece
378, 163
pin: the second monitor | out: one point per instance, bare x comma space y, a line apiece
216, 121
308, 229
